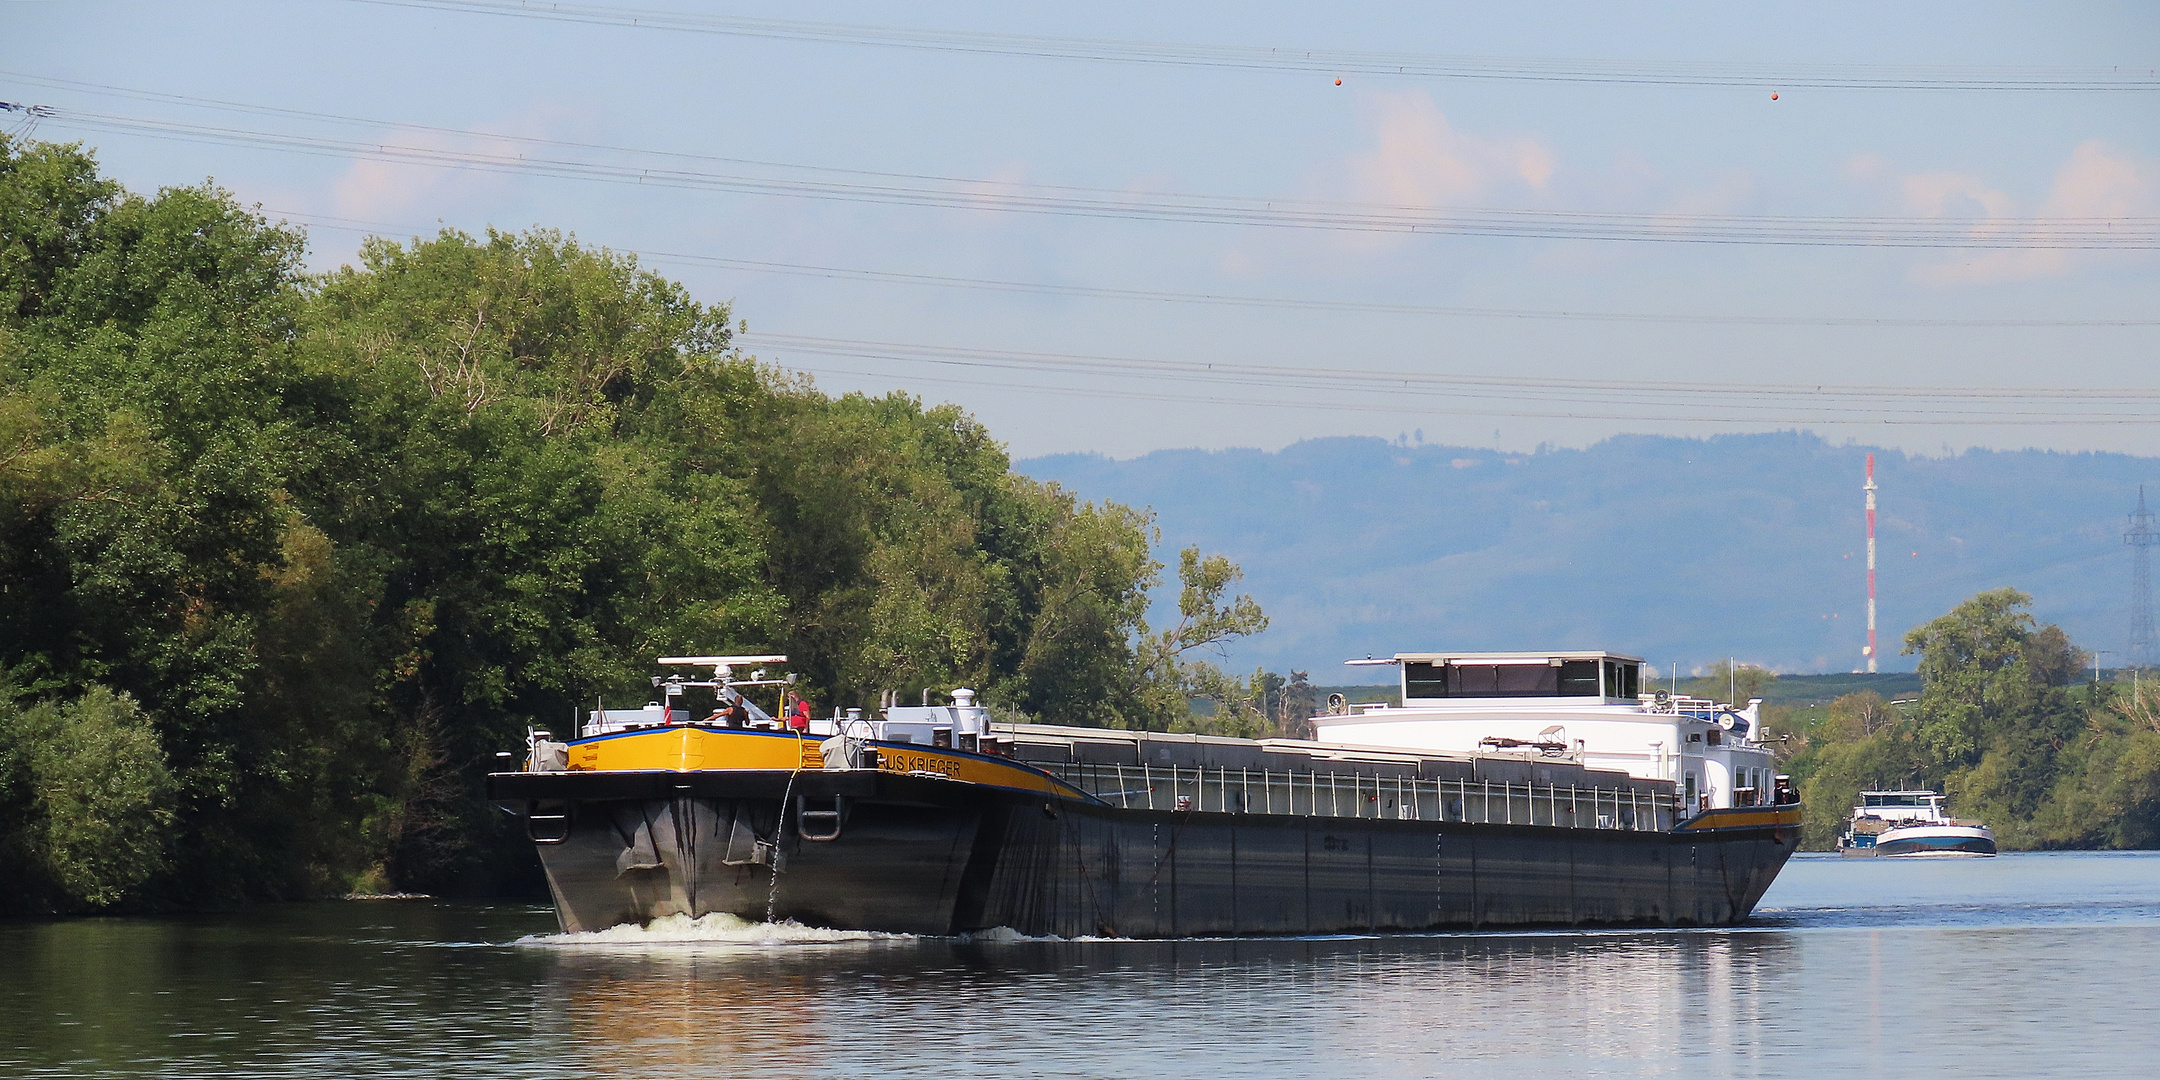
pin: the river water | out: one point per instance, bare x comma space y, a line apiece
2022, 966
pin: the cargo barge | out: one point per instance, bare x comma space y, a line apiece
930, 819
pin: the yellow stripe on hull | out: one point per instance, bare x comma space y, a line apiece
967, 769
694, 749
1743, 817
688, 749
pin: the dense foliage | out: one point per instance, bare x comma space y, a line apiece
1999, 727
284, 560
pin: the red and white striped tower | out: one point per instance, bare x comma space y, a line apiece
1870, 654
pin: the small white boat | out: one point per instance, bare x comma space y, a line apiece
1912, 824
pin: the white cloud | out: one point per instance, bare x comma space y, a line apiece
405, 186
391, 190
2096, 182
992, 193
1420, 159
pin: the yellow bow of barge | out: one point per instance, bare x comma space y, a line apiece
910, 825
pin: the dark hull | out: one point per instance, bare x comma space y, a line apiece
927, 856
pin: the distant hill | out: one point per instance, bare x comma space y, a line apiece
1677, 550
1806, 690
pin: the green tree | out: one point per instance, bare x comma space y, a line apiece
1860, 743
527, 507
1162, 683
88, 798
150, 388
1227, 705
1091, 586
1993, 714
325, 544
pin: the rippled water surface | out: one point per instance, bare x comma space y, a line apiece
2022, 966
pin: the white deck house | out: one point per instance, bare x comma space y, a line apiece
1588, 707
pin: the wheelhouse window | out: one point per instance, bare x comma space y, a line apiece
1520, 678
1527, 680
1505, 680
1893, 800
1474, 680
1579, 678
1424, 680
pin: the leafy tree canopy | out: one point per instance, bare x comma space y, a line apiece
289, 558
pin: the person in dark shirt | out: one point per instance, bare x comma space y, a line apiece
729, 714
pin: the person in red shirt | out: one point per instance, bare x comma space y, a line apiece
798, 718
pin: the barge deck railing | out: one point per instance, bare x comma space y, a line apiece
1316, 794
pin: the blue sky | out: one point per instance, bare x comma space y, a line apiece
993, 124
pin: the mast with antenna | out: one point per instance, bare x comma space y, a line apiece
1870, 653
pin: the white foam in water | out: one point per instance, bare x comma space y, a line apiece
721, 929
717, 928
1006, 935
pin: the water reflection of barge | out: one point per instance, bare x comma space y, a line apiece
930, 819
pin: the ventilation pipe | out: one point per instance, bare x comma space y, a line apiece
970, 721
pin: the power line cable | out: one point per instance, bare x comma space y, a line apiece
1771, 75
1396, 407
2124, 233
1522, 383
1363, 306
375, 124
843, 273
1640, 401
2132, 233
1731, 400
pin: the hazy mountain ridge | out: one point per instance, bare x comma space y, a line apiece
1676, 549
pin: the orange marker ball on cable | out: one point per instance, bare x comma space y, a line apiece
1338, 82
1773, 95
